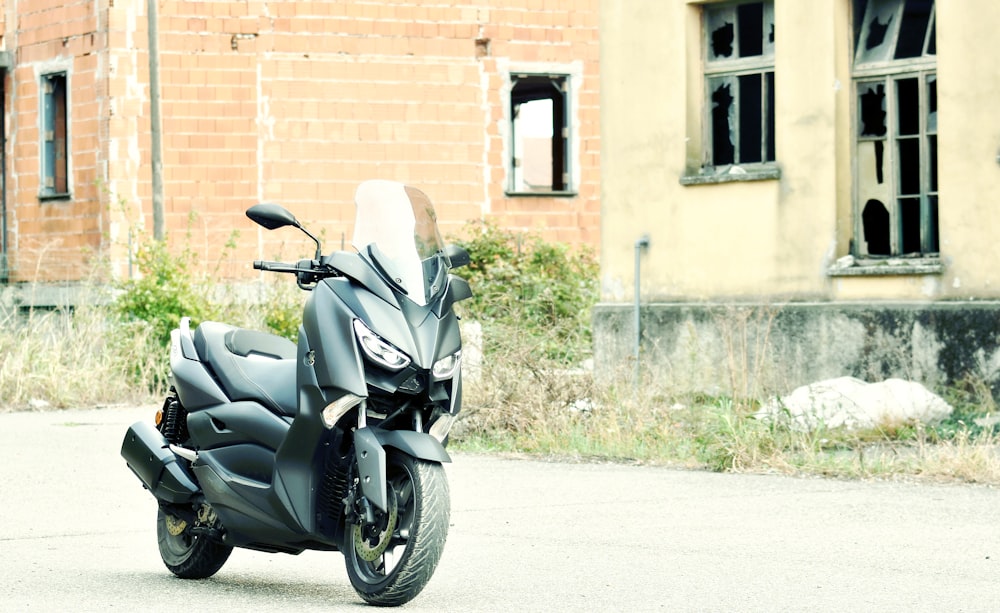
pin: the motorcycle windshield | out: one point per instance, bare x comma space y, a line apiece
396, 229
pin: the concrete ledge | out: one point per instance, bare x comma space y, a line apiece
760, 349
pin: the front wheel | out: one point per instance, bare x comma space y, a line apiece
390, 560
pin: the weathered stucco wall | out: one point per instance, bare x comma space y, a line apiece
760, 349
777, 238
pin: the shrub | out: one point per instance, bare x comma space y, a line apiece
529, 289
163, 292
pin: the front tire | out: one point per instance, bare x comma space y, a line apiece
391, 560
187, 555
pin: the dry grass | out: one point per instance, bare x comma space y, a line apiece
523, 403
72, 359
519, 405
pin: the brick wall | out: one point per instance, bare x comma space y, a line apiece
291, 102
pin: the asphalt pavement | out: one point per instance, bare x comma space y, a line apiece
77, 534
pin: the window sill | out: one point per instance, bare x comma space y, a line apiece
849, 266
730, 174
540, 194
59, 196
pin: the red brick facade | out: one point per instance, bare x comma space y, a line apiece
285, 101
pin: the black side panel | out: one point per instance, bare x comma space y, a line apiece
235, 423
327, 323
195, 386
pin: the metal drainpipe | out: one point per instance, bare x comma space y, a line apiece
4, 270
640, 245
156, 125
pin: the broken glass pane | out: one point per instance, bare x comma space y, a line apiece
872, 103
908, 104
930, 224
932, 150
878, 31
723, 117
932, 103
750, 28
721, 33
768, 28
913, 28
769, 145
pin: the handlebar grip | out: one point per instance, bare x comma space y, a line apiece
260, 265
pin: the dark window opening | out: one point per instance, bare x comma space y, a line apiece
879, 162
908, 96
55, 143
742, 119
740, 83
909, 166
722, 41
750, 19
896, 142
909, 222
894, 30
873, 111
913, 28
723, 151
875, 220
751, 112
539, 134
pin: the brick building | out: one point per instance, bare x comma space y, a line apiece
490, 107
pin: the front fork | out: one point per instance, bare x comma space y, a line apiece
369, 450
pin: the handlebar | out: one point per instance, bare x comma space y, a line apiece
307, 272
278, 266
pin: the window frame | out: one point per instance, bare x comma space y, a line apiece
889, 72
563, 179
735, 69
54, 178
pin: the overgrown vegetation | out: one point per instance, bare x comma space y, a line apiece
530, 294
531, 393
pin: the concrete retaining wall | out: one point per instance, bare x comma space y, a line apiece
754, 350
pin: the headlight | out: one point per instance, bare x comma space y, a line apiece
445, 367
379, 351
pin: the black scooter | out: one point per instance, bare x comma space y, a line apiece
334, 443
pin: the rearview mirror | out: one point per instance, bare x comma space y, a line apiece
272, 216
458, 256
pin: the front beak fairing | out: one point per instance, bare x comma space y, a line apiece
413, 392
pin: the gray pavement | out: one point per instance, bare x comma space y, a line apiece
77, 534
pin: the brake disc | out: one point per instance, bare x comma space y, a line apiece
175, 525
363, 546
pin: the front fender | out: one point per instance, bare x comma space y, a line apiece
369, 449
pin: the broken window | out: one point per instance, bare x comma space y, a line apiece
896, 137
539, 128
55, 142
739, 72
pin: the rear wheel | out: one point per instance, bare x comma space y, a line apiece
390, 560
186, 553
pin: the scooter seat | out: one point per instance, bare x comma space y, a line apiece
250, 365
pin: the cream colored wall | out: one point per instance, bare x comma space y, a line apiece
969, 146
776, 238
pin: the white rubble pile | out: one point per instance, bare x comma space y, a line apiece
847, 402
